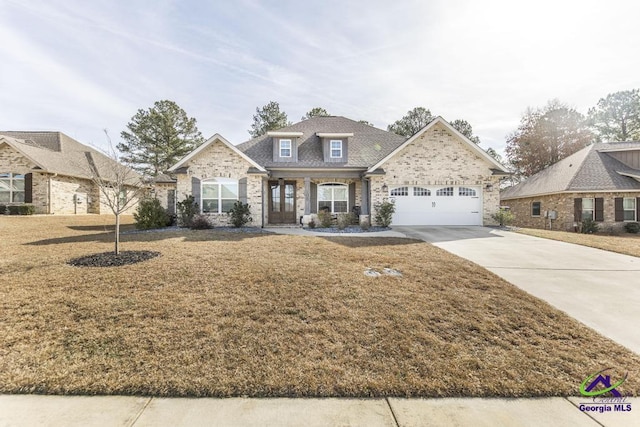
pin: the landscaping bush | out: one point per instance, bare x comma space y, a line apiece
503, 217
589, 226
325, 218
17, 209
311, 224
632, 227
344, 220
150, 214
240, 214
200, 222
187, 210
384, 213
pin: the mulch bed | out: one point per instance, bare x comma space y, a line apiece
110, 259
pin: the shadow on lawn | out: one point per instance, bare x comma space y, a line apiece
105, 227
366, 242
154, 236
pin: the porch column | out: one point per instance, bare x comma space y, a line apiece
307, 196
364, 209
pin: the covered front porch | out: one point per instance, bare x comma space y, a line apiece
292, 199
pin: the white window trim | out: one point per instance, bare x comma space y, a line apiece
593, 209
635, 209
539, 209
399, 192
445, 190
331, 148
290, 148
219, 182
333, 185
11, 191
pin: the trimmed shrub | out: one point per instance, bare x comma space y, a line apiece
589, 226
312, 224
384, 213
17, 209
187, 210
150, 214
344, 220
632, 227
325, 218
503, 217
240, 214
200, 222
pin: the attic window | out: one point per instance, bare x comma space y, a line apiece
285, 148
336, 148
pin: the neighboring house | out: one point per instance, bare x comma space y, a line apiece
53, 172
163, 188
600, 182
336, 164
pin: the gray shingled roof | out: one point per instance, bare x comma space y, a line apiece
367, 146
590, 169
57, 153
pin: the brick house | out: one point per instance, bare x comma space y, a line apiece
436, 177
52, 172
600, 182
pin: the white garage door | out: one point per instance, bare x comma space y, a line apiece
441, 205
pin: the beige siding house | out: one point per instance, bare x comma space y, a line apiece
436, 177
600, 183
52, 172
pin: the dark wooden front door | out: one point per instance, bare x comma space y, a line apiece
282, 202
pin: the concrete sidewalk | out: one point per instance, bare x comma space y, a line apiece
117, 411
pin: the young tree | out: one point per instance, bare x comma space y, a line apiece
315, 112
617, 117
119, 185
158, 137
412, 122
464, 127
268, 118
545, 136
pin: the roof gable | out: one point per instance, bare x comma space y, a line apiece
215, 138
55, 152
439, 120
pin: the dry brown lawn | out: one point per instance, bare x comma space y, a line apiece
628, 244
224, 314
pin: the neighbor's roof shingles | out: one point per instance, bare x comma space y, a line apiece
590, 169
55, 152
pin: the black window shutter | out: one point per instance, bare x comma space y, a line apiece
195, 191
314, 198
638, 209
577, 209
619, 209
28, 188
352, 195
242, 190
599, 211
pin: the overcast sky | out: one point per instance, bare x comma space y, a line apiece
82, 66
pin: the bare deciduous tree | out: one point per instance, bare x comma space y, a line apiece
120, 186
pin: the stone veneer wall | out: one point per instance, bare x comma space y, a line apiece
562, 203
162, 194
438, 157
219, 161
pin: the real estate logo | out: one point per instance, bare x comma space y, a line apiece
606, 397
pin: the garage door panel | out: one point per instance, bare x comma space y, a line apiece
433, 209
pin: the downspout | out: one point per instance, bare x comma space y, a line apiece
49, 202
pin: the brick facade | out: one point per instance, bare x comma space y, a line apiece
563, 204
438, 157
219, 161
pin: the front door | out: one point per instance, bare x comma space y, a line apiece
282, 202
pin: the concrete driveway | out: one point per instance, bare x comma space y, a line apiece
599, 288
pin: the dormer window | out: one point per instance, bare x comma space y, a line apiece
336, 148
285, 148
